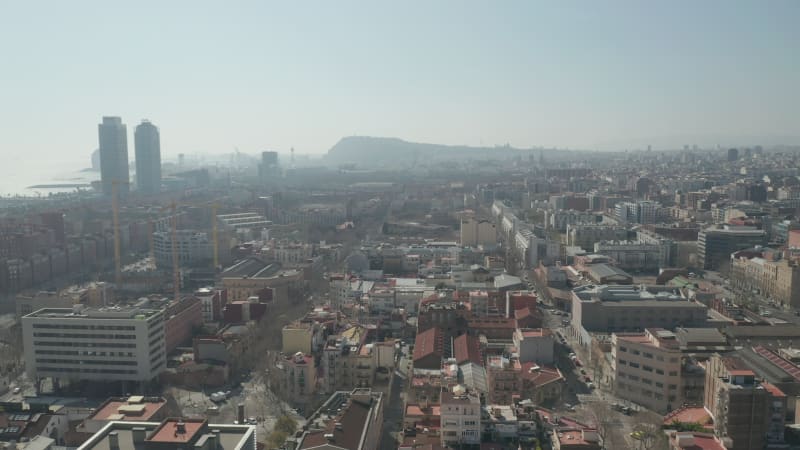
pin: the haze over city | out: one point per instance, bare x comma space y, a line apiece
413, 226
266, 75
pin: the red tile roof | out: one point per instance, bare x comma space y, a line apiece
468, 348
128, 409
429, 342
540, 375
772, 389
689, 414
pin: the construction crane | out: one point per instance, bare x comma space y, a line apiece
176, 282
115, 217
176, 271
173, 207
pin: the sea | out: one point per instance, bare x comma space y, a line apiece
19, 179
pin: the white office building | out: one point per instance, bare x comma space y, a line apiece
108, 344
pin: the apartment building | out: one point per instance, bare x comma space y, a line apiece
535, 345
292, 252
647, 368
738, 403
586, 235
504, 378
476, 232
768, 274
350, 361
120, 343
460, 417
347, 420
192, 247
635, 255
297, 378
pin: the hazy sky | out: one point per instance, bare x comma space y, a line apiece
261, 75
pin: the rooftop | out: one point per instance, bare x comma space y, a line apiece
342, 420
133, 408
467, 349
428, 342
160, 436
177, 431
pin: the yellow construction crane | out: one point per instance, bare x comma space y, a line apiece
176, 271
115, 216
174, 239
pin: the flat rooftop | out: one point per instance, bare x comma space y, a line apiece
134, 408
106, 312
161, 436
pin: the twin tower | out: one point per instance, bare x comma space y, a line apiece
113, 136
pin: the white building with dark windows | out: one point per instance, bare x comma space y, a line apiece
461, 417
124, 343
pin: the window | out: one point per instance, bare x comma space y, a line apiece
622, 362
647, 355
672, 387
673, 373
633, 364
623, 349
647, 368
659, 371
673, 360
636, 352
659, 385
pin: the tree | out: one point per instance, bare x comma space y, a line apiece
649, 437
286, 424
276, 439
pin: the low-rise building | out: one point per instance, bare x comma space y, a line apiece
534, 345
172, 434
347, 420
627, 308
647, 368
297, 378
766, 273
460, 417
135, 408
504, 378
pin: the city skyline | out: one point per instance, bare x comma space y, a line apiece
265, 76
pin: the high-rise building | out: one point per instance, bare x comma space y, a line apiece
113, 138
148, 158
269, 166
733, 154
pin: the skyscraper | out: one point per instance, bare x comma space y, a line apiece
148, 158
113, 137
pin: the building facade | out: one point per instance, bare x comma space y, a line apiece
113, 139
147, 143
108, 344
460, 417
647, 368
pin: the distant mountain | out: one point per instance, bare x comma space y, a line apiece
372, 151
